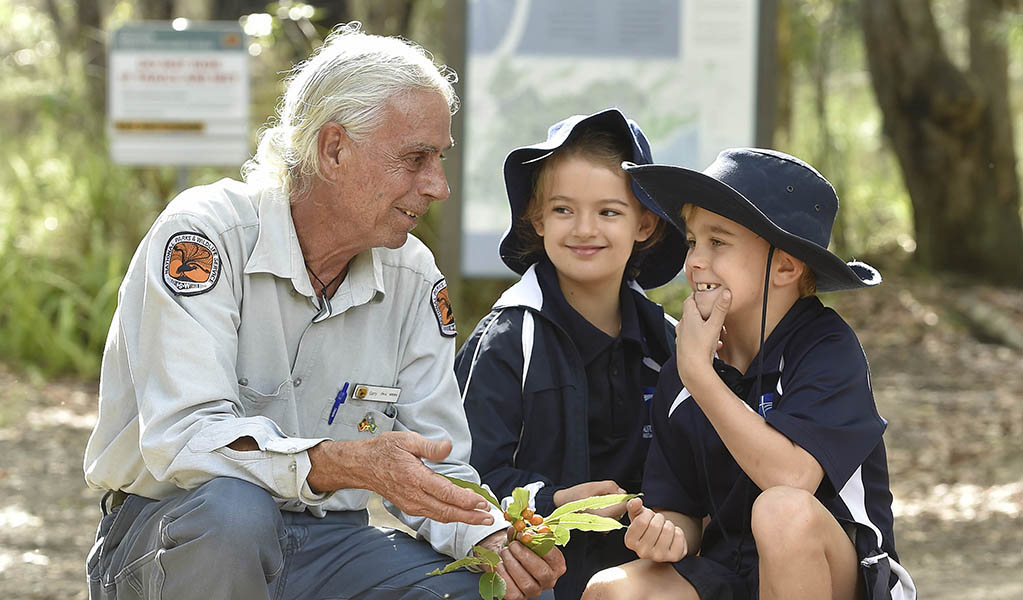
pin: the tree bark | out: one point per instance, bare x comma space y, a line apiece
952, 134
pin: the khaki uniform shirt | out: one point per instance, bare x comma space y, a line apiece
213, 340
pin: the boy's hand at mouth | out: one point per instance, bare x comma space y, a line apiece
698, 339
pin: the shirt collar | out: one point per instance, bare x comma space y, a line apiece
277, 251
588, 338
803, 310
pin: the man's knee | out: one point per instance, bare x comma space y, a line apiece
235, 511
785, 518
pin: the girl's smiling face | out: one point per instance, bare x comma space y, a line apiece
591, 222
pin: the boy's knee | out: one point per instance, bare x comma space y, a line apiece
607, 585
784, 518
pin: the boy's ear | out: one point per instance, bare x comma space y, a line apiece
787, 268
647, 225
332, 148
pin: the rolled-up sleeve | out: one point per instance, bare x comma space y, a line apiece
181, 352
426, 373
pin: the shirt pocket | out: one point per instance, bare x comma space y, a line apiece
361, 419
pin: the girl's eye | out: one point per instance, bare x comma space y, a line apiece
691, 243
609, 212
716, 242
561, 210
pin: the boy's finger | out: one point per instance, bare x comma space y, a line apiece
717, 315
635, 507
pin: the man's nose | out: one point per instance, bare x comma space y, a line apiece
434, 183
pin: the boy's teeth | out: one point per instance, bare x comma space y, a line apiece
705, 287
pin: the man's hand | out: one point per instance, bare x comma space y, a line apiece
593, 488
652, 536
391, 465
526, 573
697, 340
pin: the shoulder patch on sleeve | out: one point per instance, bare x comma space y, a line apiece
191, 264
442, 309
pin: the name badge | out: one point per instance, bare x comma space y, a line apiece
376, 393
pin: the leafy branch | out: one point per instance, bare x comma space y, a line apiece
538, 533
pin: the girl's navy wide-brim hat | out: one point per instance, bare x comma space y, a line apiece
660, 263
774, 195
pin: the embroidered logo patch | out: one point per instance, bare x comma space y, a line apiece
442, 308
191, 264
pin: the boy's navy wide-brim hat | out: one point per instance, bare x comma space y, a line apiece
660, 263
774, 195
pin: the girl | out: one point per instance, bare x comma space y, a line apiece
556, 379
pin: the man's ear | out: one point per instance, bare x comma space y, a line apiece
787, 268
332, 147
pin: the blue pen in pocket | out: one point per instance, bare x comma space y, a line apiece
338, 401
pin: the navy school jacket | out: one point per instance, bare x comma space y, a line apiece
524, 388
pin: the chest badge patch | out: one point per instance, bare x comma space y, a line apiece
191, 264
442, 309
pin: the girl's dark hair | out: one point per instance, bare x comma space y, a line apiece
596, 146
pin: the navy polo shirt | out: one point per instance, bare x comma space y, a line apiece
815, 389
619, 385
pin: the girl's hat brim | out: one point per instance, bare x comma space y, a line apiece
660, 263
774, 195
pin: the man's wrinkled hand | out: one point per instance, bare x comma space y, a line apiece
526, 573
391, 465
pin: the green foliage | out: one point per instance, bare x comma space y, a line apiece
538, 534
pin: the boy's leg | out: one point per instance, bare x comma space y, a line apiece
804, 551
640, 579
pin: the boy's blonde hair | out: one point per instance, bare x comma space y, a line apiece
807, 281
599, 147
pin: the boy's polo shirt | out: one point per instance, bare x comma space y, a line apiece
815, 390
618, 417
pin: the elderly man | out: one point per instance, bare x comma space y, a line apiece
282, 346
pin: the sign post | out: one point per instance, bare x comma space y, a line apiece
178, 96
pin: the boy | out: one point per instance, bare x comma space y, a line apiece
765, 422
556, 380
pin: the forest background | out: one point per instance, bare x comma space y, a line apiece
913, 108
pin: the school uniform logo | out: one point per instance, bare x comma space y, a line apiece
442, 309
191, 264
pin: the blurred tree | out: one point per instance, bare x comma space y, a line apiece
951, 129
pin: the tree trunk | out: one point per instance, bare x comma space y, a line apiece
952, 134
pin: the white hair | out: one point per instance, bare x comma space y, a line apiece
349, 81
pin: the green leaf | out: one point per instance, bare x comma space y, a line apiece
487, 555
492, 586
588, 522
520, 502
468, 561
592, 503
561, 534
482, 491
542, 545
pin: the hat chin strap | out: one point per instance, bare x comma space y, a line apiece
763, 321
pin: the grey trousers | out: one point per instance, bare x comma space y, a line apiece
228, 540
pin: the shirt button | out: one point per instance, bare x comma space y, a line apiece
243, 381
298, 381
292, 467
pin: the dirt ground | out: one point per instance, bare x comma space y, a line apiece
954, 405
